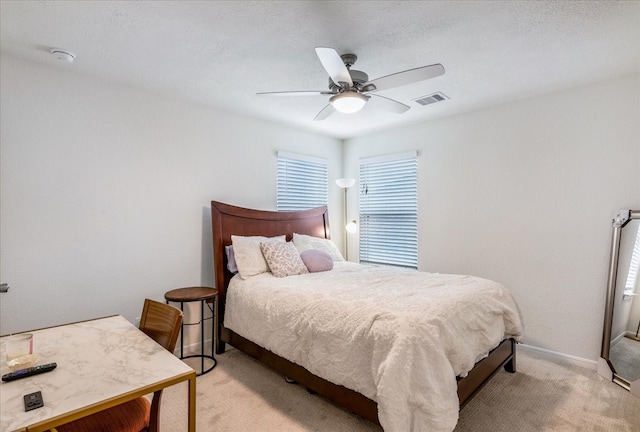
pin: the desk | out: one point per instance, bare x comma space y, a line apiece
101, 363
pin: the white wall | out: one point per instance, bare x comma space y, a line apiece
105, 191
634, 316
524, 194
105, 195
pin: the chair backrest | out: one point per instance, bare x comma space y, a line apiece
161, 322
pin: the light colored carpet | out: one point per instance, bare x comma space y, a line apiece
625, 356
546, 394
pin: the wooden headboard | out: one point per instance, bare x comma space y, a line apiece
228, 220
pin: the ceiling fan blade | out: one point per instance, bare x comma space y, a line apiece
383, 103
326, 112
403, 78
295, 93
334, 65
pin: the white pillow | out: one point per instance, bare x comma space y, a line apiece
304, 242
249, 258
283, 259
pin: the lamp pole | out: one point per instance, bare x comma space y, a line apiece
345, 184
346, 233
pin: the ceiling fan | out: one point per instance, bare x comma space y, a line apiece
351, 89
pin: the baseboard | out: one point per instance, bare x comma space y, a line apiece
604, 370
578, 361
617, 339
193, 348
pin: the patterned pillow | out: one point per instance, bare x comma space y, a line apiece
283, 259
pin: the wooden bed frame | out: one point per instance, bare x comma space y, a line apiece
230, 220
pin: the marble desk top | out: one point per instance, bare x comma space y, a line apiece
97, 360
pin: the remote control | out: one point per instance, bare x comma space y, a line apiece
23, 373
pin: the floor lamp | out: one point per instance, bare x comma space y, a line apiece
345, 184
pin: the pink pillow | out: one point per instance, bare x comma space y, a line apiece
316, 260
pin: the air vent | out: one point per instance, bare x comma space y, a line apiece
431, 99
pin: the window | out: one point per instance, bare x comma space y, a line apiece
634, 266
389, 210
302, 182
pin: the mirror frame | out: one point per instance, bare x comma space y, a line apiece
605, 368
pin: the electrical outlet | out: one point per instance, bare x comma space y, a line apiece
138, 321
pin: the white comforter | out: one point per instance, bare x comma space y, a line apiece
398, 337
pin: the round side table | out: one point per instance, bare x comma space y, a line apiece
204, 295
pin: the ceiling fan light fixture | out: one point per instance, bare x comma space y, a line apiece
349, 102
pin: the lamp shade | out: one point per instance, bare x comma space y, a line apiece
348, 102
345, 183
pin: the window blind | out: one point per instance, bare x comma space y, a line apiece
634, 266
302, 182
389, 210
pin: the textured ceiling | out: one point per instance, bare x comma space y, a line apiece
222, 53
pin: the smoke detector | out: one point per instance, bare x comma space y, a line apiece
63, 55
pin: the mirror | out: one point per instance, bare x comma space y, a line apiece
620, 354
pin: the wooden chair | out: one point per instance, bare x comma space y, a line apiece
162, 323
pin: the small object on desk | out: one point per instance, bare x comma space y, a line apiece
23, 362
18, 347
23, 373
33, 401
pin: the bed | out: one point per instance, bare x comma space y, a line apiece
371, 403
